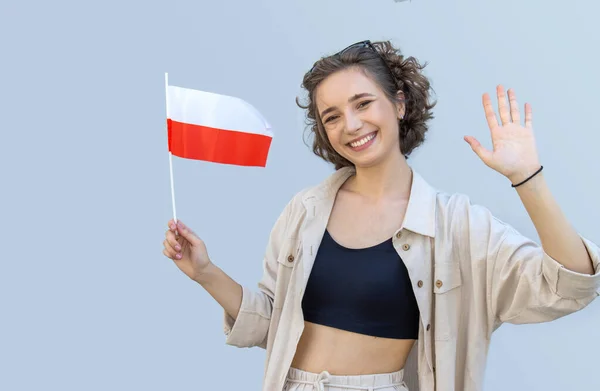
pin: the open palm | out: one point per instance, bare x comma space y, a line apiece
514, 153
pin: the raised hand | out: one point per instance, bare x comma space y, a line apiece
514, 153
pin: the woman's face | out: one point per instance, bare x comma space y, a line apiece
360, 121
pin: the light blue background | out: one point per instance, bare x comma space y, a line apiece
88, 301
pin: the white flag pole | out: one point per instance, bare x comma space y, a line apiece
170, 154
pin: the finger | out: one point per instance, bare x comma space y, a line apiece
172, 252
172, 240
528, 115
514, 107
502, 106
479, 150
187, 233
169, 247
172, 225
171, 255
488, 109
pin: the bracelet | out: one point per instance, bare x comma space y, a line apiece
534, 174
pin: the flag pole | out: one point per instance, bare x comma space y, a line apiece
170, 154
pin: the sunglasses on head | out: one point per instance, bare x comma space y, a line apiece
360, 44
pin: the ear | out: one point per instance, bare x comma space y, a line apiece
400, 106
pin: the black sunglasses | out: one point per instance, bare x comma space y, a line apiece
361, 44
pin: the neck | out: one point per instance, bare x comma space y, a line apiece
391, 179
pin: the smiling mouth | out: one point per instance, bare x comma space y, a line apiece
362, 141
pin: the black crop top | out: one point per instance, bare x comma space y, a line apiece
367, 291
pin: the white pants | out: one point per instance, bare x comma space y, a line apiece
298, 380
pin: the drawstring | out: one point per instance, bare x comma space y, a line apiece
319, 384
321, 380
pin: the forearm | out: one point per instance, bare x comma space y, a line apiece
223, 289
559, 239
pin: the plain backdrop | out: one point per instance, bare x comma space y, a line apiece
88, 301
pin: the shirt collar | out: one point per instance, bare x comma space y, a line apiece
420, 212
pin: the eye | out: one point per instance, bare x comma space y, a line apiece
364, 103
331, 118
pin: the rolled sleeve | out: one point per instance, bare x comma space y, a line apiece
252, 323
569, 284
522, 283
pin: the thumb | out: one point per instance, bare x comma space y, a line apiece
479, 150
187, 233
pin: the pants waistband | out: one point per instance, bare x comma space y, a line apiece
353, 382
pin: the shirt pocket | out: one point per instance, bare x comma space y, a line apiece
287, 260
447, 291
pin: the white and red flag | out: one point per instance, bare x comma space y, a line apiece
215, 128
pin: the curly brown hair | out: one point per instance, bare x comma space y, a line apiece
392, 72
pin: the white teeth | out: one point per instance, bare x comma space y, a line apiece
362, 141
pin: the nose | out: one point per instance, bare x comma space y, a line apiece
353, 123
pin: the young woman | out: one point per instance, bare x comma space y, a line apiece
374, 280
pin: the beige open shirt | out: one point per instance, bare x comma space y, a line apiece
470, 273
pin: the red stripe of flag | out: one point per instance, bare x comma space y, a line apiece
217, 145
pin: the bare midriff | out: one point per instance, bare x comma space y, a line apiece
341, 352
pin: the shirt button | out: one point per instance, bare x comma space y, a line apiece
399, 235
428, 327
290, 258
420, 284
438, 283
405, 247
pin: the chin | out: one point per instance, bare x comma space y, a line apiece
367, 163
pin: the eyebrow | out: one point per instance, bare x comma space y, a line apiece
352, 99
